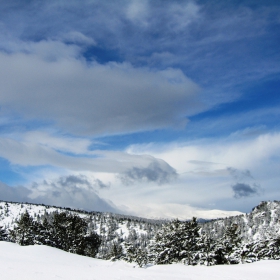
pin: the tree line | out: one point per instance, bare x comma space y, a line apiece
176, 241
180, 241
62, 230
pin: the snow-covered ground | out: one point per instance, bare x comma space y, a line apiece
42, 262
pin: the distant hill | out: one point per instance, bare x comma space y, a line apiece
255, 229
261, 223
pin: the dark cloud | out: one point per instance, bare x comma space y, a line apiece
73, 180
240, 174
158, 172
118, 97
245, 190
18, 194
101, 185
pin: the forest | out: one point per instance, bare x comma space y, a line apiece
240, 239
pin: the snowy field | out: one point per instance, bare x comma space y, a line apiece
42, 262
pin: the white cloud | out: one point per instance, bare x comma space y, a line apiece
76, 191
225, 152
137, 11
65, 144
213, 172
76, 37
69, 153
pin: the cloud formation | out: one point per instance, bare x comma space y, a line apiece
76, 191
157, 172
94, 99
244, 190
134, 72
70, 153
19, 194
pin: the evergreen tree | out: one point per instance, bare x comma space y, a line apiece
228, 250
177, 241
70, 234
141, 257
3, 234
207, 248
44, 233
134, 254
130, 252
91, 244
23, 232
274, 248
116, 252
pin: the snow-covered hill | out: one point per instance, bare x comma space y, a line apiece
262, 223
113, 228
116, 230
46, 263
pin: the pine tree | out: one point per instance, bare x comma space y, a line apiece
141, 257
3, 234
177, 241
228, 250
274, 246
116, 252
23, 232
207, 248
70, 234
130, 252
91, 244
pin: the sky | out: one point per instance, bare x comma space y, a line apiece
159, 109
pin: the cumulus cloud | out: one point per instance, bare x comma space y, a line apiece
76, 191
212, 167
244, 190
157, 172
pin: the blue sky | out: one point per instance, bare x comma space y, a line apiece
151, 108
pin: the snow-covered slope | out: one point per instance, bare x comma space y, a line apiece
113, 228
262, 223
46, 263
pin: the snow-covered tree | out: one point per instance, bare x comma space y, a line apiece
206, 252
175, 242
228, 249
23, 232
3, 234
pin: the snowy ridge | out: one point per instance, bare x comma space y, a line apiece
257, 233
113, 228
262, 223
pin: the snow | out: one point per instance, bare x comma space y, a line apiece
42, 262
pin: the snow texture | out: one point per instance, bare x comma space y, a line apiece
46, 263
